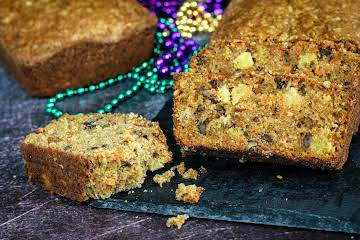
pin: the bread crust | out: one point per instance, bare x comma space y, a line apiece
291, 19
58, 172
53, 62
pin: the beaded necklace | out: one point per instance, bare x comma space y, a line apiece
172, 51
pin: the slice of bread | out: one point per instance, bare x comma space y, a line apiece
94, 155
267, 99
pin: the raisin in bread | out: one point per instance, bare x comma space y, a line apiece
94, 156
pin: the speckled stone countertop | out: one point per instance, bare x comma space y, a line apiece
28, 212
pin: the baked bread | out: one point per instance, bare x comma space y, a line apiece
291, 19
296, 101
188, 193
280, 78
326, 61
54, 45
177, 221
94, 156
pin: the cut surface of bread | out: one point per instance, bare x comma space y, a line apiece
327, 61
285, 102
94, 155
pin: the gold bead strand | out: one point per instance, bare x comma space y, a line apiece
193, 18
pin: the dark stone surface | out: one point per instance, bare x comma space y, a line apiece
28, 212
251, 192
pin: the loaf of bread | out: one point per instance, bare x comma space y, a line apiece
285, 102
291, 19
279, 82
50, 46
94, 156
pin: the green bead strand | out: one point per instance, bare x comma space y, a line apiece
145, 75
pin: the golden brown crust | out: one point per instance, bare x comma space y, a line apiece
289, 19
68, 44
331, 164
58, 172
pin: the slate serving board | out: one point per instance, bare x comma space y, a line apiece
251, 193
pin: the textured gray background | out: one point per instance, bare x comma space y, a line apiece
28, 212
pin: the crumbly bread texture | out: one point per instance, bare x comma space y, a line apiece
186, 174
54, 45
237, 101
326, 61
177, 221
94, 155
289, 88
190, 174
180, 168
164, 177
291, 19
188, 194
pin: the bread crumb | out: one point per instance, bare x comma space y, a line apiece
202, 169
180, 168
164, 177
145, 190
188, 194
177, 221
190, 174
279, 177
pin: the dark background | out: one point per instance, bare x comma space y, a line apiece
28, 212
